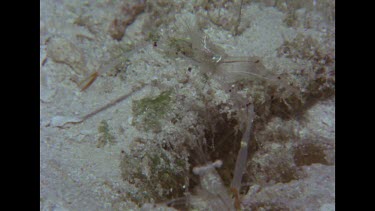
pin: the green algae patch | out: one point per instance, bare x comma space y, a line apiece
150, 110
104, 135
156, 173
